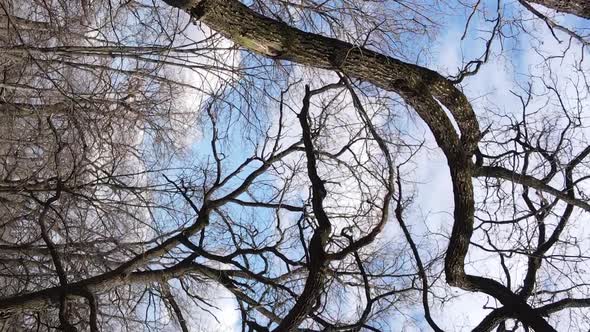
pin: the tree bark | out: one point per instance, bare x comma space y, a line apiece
579, 8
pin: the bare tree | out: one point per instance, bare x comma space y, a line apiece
277, 172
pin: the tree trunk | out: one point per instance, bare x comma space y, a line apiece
579, 8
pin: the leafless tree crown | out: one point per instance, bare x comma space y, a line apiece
167, 164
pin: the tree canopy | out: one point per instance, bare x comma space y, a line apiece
305, 165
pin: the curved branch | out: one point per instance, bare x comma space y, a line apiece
317, 253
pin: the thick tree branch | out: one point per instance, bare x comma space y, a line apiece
579, 8
419, 86
317, 254
529, 181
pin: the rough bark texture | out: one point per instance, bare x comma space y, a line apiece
579, 8
418, 85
